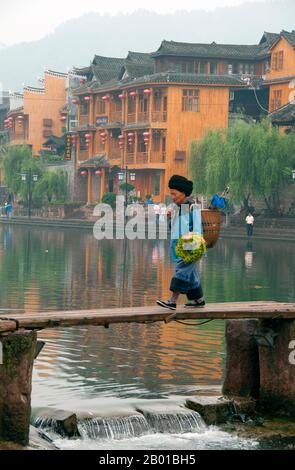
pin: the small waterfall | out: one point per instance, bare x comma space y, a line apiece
114, 428
177, 422
138, 425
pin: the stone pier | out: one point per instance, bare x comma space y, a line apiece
18, 350
258, 363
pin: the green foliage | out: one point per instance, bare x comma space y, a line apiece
53, 184
109, 198
250, 158
50, 158
126, 187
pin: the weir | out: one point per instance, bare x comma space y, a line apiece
258, 338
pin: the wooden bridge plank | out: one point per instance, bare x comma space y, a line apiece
103, 317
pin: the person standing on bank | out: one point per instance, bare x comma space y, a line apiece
186, 279
249, 224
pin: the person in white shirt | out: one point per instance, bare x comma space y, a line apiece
249, 224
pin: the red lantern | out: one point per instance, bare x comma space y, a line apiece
103, 134
121, 136
82, 80
84, 173
133, 94
146, 134
147, 91
75, 101
105, 97
88, 136
63, 118
98, 172
130, 134
20, 118
87, 98
122, 96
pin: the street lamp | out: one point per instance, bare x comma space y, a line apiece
293, 174
29, 178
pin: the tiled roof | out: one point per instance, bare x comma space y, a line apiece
171, 77
213, 50
286, 114
290, 37
104, 75
174, 77
269, 38
279, 79
106, 63
139, 57
56, 141
136, 70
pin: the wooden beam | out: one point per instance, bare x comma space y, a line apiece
104, 317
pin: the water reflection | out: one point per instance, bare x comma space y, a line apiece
48, 269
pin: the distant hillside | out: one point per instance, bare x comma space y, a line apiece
76, 41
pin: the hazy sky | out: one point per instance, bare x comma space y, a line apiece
27, 20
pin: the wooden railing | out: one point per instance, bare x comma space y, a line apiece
159, 116
131, 118
143, 117
116, 116
84, 120
130, 159
142, 157
158, 157
83, 154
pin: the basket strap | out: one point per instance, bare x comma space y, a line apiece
197, 218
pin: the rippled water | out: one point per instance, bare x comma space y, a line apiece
50, 269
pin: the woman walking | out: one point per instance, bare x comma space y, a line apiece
186, 279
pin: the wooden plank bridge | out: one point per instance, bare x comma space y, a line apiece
251, 368
105, 317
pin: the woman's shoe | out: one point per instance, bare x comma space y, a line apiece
196, 304
166, 304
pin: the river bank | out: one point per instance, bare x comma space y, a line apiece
270, 229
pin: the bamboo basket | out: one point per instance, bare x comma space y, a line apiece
211, 222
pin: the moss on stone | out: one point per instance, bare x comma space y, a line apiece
13, 347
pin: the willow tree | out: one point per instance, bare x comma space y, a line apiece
208, 163
250, 158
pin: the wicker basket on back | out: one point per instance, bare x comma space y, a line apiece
211, 221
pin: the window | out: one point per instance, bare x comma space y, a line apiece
143, 104
84, 108
141, 147
281, 60
277, 62
276, 101
244, 68
213, 68
83, 145
156, 185
101, 108
157, 100
190, 100
156, 141
47, 122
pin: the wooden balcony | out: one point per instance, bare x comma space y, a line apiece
130, 158
115, 116
131, 118
114, 152
143, 117
83, 155
159, 116
142, 157
158, 157
84, 120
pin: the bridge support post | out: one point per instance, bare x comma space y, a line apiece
18, 350
277, 369
242, 362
